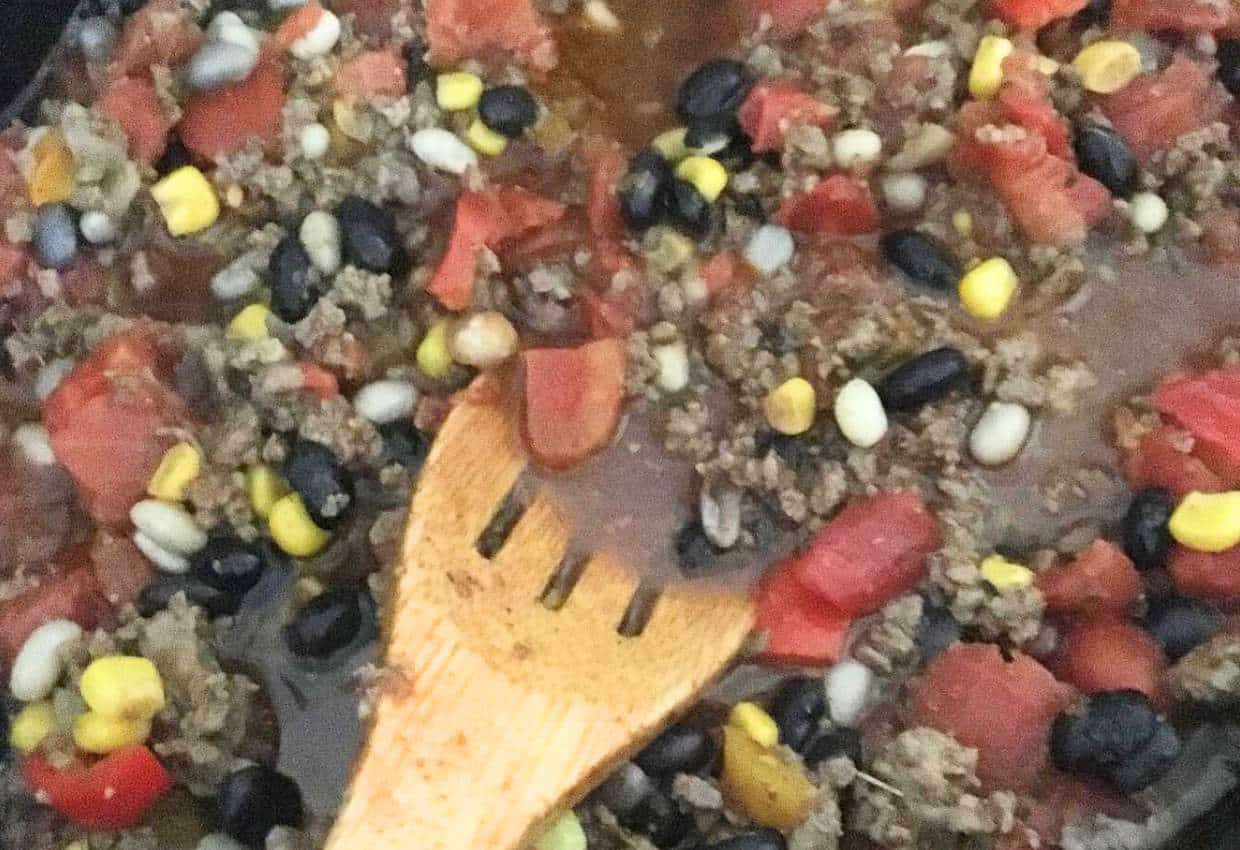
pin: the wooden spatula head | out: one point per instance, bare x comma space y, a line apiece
495, 712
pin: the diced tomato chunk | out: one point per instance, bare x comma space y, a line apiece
1191, 17
1160, 460
788, 17
133, 103
1100, 579
606, 166
318, 380
463, 29
1110, 655
870, 552
1003, 708
1038, 115
485, 219
1033, 14
1154, 110
113, 793
800, 627
162, 32
225, 120
74, 594
1206, 575
376, 73
371, 18
837, 206
300, 22
613, 314
1208, 407
771, 109
573, 398
723, 271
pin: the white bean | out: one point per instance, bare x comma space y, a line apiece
859, 413
483, 340
855, 146
169, 526
321, 38
385, 401
39, 664
320, 236
96, 227
904, 192
50, 376
673, 360
1001, 432
217, 64
315, 140
442, 150
166, 561
32, 441
1148, 212
848, 690
769, 249
229, 28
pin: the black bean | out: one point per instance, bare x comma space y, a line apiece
643, 193
711, 136
1180, 625
678, 749
231, 565
926, 378
368, 235
833, 744
323, 483
936, 631
158, 594
1103, 154
694, 551
688, 210
624, 790
508, 110
416, 67
922, 258
55, 236
758, 839
716, 89
1228, 56
253, 800
659, 818
1095, 13
404, 444
292, 292
797, 708
327, 623
1116, 736
749, 204
1146, 535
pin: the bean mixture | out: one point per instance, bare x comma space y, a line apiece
805, 295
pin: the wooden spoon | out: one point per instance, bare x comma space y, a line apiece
494, 712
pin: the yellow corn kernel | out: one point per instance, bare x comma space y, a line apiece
51, 178
1003, 574
789, 408
187, 201
565, 833
1207, 522
234, 195
1107, 66
485, 140
123, 686
94, 733
764, 784
753, 720
671, 143
962, 223
293, 530
553, 133
80, 844
986, 290
346, 119
433, 355
250, 325
706, 174
32, 724
986, 72
265, 487
671, 251
178, 468
458, 90
1047, 65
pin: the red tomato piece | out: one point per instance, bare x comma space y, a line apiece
133, 103
121, 570
771, 109
463, 29
1038, 115
788, 17
300, 22
837, 206
1110, 655
1160, 460
605, 163
163, 32
485, 219
1154, 110
723, 271
223, 121
71, 595
371, 18
319, 381
613, 314
869, 553
1183, 16
573, 398
1206, 575
1033, 14
1101, 578
800, 627
376, 73
1003, 708
1208, 407
113, 793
